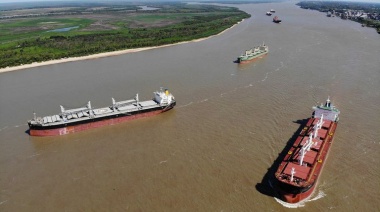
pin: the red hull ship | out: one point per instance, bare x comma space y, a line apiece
298, 172
79, 119
276, 20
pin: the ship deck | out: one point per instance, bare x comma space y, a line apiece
83, 115
307, 173
302, 171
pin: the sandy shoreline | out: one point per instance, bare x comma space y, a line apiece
105, 54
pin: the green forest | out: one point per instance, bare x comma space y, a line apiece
28, 40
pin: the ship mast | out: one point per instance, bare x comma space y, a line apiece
62, 109
328, 102
292, 174
113, 104
137, 98
306, 148
316, 131
321, 122
90, 110
318, 126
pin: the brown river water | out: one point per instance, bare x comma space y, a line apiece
213, 151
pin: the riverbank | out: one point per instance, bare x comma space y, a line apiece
365, 13
105, 54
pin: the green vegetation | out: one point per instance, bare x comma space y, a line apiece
30, 39
340, 6
24, 29
243, 1
365, 13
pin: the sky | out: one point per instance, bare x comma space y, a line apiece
10, 1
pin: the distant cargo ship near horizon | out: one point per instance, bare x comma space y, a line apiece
79, 119
277, 20
254, 53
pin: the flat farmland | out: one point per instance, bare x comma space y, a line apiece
41, 34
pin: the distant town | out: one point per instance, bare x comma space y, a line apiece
368, 14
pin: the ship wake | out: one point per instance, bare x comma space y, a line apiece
15, 126
320, 195
190, 103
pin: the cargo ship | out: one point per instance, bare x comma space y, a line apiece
253, 53
276, 20
298, 172
268, 13
83, 118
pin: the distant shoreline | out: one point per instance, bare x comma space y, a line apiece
105, 54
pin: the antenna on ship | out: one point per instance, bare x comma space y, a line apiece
34, 115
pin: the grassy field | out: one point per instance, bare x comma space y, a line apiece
37, 27
26, 38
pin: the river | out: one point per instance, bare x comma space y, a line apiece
213, 151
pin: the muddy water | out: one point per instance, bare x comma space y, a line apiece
214, 149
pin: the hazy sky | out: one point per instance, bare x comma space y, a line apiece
9, 1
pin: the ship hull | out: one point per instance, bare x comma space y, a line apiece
294, 198
276, 20
95, 123
240, 61
292, 194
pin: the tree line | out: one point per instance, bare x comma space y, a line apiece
61, 46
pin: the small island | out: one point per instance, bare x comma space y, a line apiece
35, 32
368, 14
